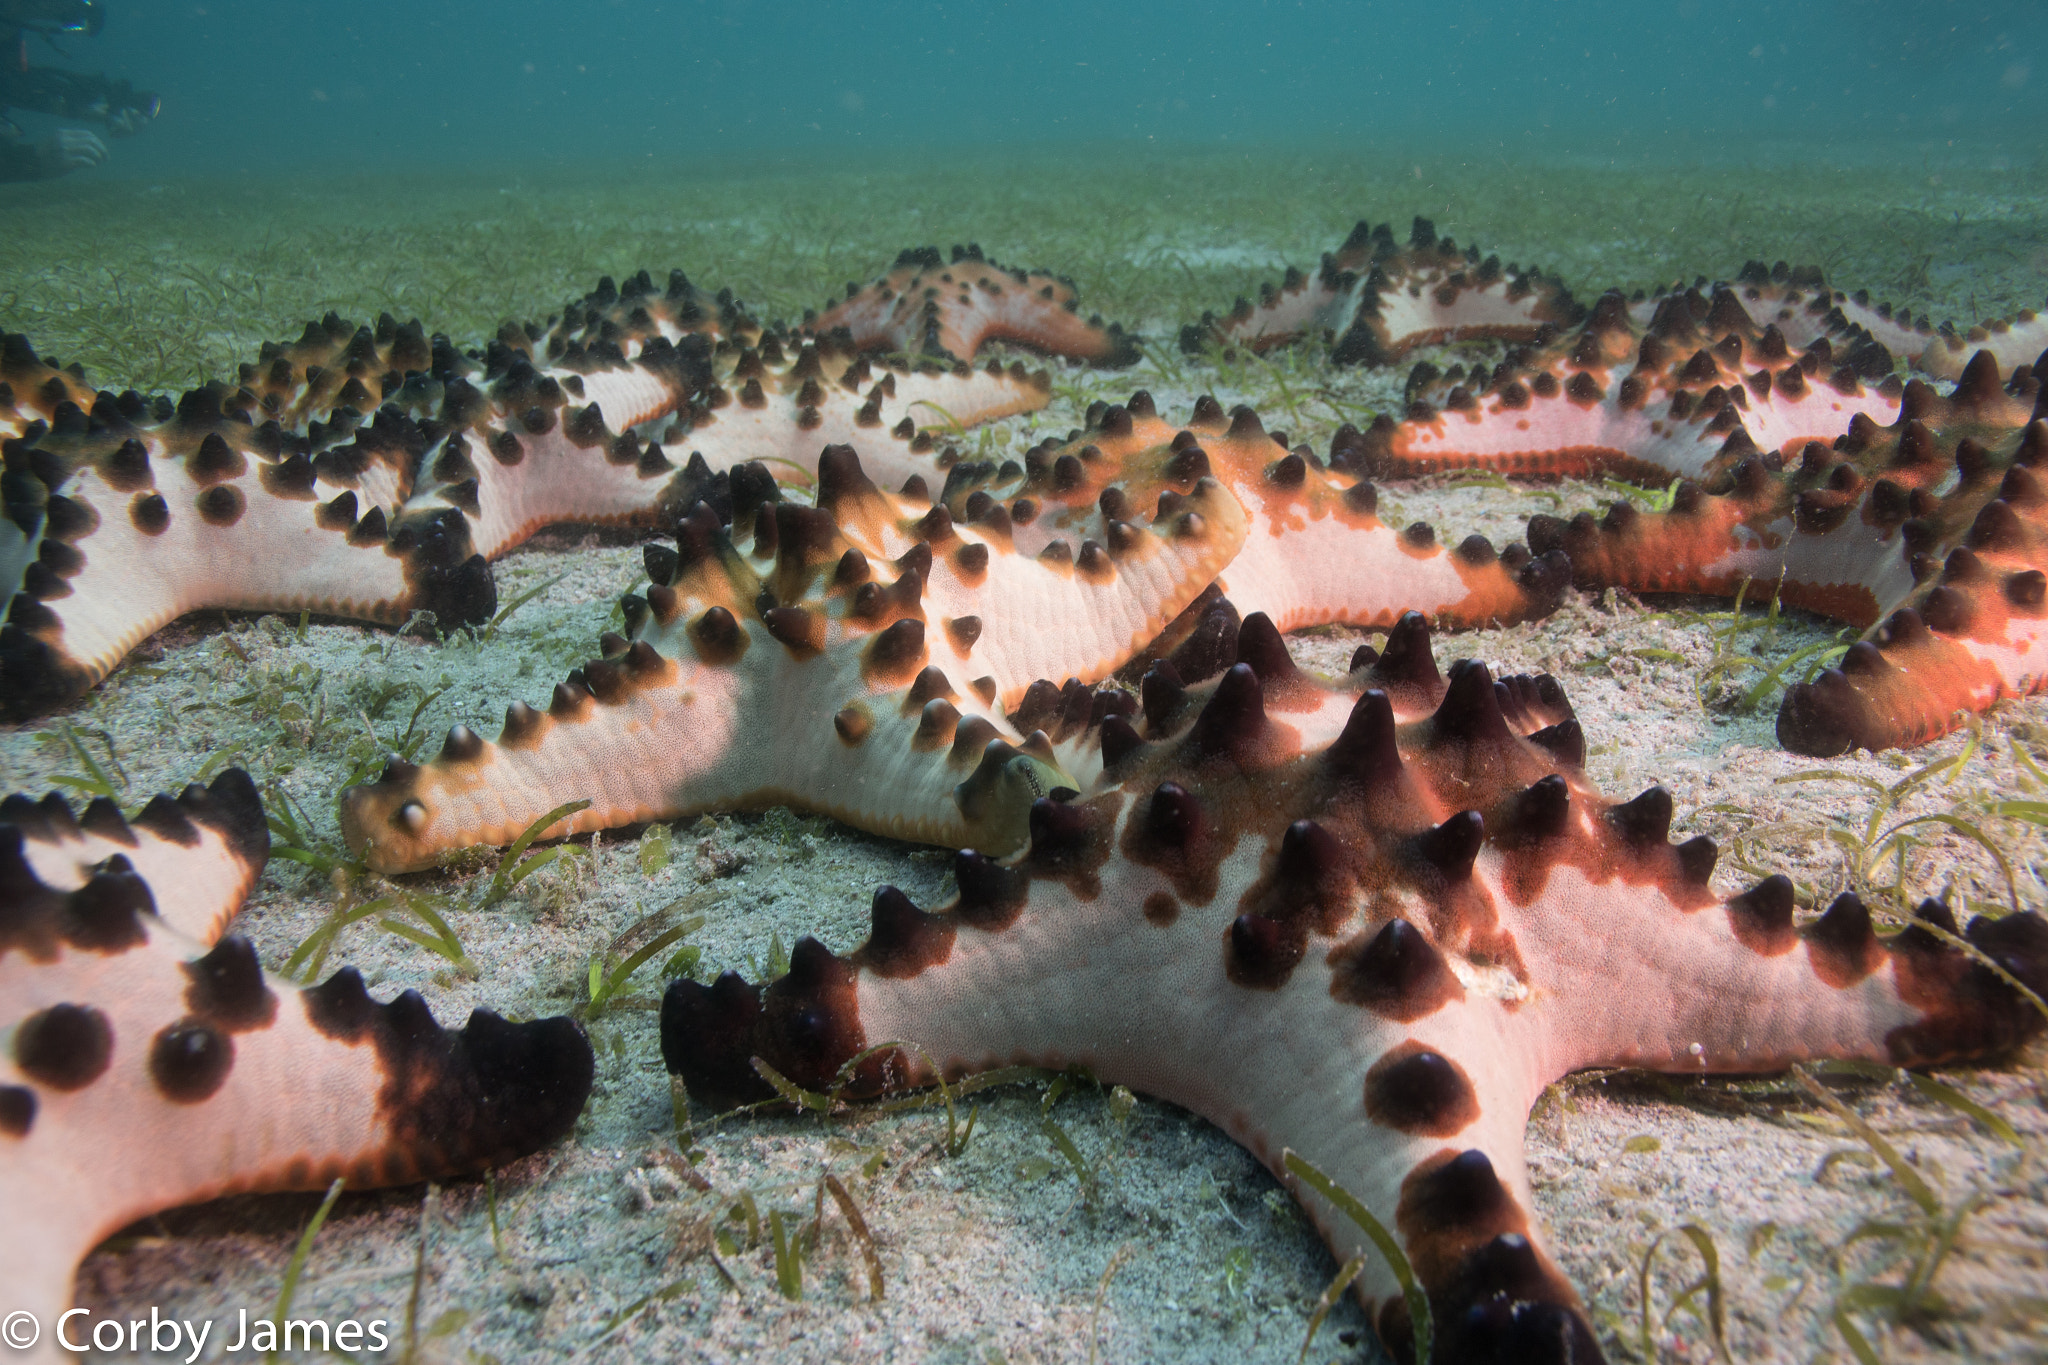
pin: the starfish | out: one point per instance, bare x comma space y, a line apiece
109, 536
1379, 301
152, 1063
1092, 726
1191, 840
783, 412
1705, 393
795, 392
1685, 394
781, 668
950, 308
1369, 951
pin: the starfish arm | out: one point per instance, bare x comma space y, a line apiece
1535, 429
133, 537
200, 851
654, 749
1127, 465
515, 447
1896, 332
636, 393
1434, 303
623, 316
635, 353
927, 305
2018, 340
1335, 569
1313, 550
339, 364
1978, 638
511, 474
1382, 301
1798, 301
1794, 411
1317, 552
1853, 530
961, 397
1079, 719
1941, 352
668, 737
513, 480
145, 1069
1786, 537
1084, 614
35, 387
1188, 937
1737, 987
1300, 305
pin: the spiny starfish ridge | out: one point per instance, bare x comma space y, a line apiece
1373, 948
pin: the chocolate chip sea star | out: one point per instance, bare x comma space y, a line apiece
1373, 950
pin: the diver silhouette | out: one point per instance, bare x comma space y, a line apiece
114, 104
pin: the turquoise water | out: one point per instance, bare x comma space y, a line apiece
268, 86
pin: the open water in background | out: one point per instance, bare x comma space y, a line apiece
277, 87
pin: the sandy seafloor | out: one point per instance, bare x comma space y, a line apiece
995, 1255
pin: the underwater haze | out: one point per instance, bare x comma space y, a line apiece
267, 86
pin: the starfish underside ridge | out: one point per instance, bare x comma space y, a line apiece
1372, 948
1809, 308
151, 1063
